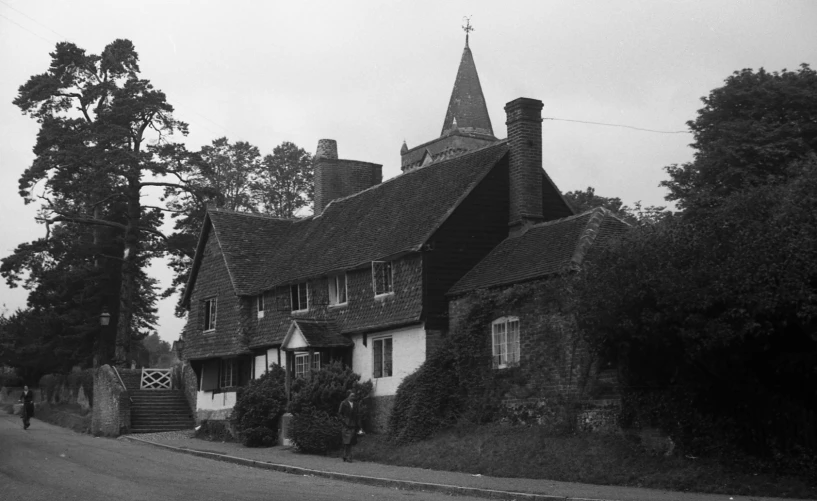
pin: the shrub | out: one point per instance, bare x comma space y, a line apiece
315, 402
259, 437
259, 406
426, 400
316, 431
214, 431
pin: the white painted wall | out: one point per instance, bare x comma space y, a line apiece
260, 366
211, 401
408, 353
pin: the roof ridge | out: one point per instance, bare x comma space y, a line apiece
411, 171
563, 219
254, 214
588, 236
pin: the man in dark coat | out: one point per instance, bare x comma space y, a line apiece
349, 414
27, 398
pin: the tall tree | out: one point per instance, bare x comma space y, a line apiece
746, 134
712, 312
585, 200
92, 164
285, 181
221, 174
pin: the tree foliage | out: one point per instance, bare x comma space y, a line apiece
93, 161
746, 134
711, 313
284, 184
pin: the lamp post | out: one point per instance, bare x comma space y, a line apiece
179, 347
102, 352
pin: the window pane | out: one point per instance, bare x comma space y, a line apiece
387, 275
341, 288
293, 292
513, 341
378, 358
387, 348
333, 290
316, 361
261, 302
302, 299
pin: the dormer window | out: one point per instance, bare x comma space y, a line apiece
382, 278
337, 290
259, 302
299, 297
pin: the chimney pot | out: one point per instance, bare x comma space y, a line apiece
327, 148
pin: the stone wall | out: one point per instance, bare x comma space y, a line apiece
190, 385
111, 411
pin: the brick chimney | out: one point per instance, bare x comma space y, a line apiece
524, 121
336, 178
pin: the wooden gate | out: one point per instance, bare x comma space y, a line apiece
157, 379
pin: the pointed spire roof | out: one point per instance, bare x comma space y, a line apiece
467, 104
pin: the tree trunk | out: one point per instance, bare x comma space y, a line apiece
130, 269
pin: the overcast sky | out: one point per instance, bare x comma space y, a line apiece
372, 74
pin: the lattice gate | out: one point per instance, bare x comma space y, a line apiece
157, 379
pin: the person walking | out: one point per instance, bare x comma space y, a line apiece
349, 413
27, 398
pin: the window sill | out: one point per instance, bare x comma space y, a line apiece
260, 315
208, 331
380, 297
339, 305
298, 312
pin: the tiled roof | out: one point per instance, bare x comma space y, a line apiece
545, 249
467, 104
389, 219
322, 333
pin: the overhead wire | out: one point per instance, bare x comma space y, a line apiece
32, 19
26, 29
622, 126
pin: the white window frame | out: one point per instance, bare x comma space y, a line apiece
259, 305
304, 363
301, 364
210, 307
334, 289
306, 293
378, 270
379, 370
505, 346
228, 373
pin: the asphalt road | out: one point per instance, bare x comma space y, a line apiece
46, 462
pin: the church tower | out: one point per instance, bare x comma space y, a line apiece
467, 125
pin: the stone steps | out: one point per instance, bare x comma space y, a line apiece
160, 410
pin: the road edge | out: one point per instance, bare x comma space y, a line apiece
363, 479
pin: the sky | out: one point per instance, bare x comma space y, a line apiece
371, 74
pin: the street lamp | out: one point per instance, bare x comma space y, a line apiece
104, 317
179, 346
102, 352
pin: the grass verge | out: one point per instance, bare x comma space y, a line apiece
70, 416
505, 451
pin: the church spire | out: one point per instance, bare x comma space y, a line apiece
467, 103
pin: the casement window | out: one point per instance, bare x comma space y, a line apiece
382, 277
337, 290
229, 373
382, 365
299, 297
303, 363
209, 314
259, 304
505, 342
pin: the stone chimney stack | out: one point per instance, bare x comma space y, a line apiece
524, 121
336, 178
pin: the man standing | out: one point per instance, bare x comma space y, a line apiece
349, 414
27, 398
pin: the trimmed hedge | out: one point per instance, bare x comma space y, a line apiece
259, 406
315, 401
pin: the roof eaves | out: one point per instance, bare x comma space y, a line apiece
197, 257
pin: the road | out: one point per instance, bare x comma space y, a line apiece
46, 462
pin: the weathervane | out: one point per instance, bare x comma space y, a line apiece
467, 28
